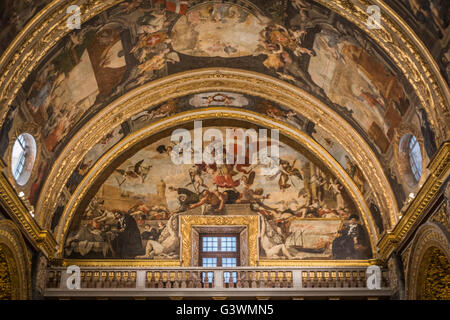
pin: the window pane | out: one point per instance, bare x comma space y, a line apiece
210, 244
23, 156
228, 262
21, 141
20, 165
209, 262
415, 158
228, 244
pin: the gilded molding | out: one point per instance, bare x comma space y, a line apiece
34, 130
399, 41
110, 263
440, 168
213, 113
441, 216
405, 258
42, 239
7, 273
428, 236
212, 79
17, 256
434, 276
134, 263
318, 263
187, 222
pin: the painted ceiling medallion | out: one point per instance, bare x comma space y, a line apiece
218, 30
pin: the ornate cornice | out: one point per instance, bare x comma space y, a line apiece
440, 168
19, 213
115, 263
18, 258
318, 263
428, 236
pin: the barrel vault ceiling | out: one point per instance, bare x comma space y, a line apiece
99, 98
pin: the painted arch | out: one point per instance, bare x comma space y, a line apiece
355, 92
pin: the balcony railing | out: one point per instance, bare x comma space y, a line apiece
207, 282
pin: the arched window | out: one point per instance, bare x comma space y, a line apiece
415, 158
22, 158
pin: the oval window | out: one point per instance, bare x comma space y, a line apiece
415, 158
22, 158
410, 156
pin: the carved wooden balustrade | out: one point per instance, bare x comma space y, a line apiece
204, 282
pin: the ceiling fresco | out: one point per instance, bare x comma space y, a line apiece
305, 212
137, 42
430, 20
14, 15
214, 99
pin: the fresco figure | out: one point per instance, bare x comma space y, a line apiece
300, 216
212, 202
355, 173
128, 243
352, 242
272, 243
186, 198
167, 244
140, 41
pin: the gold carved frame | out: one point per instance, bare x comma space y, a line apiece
428, 236
18, 260
188, 222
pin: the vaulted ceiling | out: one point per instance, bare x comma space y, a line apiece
347, 96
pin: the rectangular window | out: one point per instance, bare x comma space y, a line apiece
219, 250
